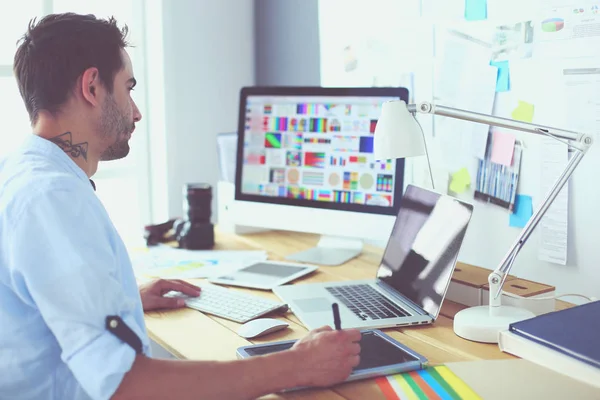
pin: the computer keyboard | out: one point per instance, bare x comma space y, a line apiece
229, 304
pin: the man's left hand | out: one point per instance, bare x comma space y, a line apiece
152, 293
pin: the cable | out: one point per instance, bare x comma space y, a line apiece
516, 296
588, 298
426, 152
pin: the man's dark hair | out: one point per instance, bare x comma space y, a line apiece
55, 52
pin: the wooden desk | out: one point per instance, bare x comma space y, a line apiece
186, 332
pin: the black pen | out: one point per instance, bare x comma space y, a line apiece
336, 316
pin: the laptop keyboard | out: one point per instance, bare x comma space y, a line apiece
366, 302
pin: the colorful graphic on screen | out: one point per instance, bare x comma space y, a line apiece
351, 180
272, 140
277, 175
292, 140
313, 178
358, 198
385, 183
293, 176
316, 160
315, 149
293, 159
342, 196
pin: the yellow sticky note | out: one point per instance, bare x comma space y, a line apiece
460, 181
523, 112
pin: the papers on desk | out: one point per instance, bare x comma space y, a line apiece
521, 379
433, 382
171, 263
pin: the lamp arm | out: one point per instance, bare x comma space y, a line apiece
580, 142
505, 266
430, 108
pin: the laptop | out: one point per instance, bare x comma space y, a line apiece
413, 275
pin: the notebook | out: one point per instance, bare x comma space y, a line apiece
574, 331
565, 341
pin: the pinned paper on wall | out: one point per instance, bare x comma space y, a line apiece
496, 183
465, 80
554, 226
460, 181
523, 211
523, 112
475, 10
503, 79
503, 147
479, 144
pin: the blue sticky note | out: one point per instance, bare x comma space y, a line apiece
503, 80
475, 10
523, 211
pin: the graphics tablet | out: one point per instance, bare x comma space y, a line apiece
264, 274
380, 355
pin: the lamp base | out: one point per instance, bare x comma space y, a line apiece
482, 324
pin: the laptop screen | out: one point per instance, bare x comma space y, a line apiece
422, 250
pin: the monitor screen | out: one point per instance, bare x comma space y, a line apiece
422, 250
313, 147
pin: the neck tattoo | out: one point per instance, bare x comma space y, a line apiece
65, 142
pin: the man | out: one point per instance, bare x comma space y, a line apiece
63, 267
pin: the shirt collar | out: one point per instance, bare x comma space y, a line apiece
50, 149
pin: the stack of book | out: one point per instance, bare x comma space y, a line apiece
566, 341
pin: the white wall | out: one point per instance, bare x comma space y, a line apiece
208, 57
287, 42
489, 236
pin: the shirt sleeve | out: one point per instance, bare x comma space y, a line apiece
63, 262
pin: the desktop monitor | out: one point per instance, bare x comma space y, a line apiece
305, 163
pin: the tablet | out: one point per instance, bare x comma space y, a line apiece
264, 274
380, 355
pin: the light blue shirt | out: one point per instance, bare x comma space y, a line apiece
63, 269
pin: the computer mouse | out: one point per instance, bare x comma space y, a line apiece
260, 327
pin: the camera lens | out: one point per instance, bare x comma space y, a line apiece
197, 202
196, 231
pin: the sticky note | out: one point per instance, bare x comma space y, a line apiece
475, 10
523, 112
503, 80
522, 212
503, 147
460, 181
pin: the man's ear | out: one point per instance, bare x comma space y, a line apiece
90, 84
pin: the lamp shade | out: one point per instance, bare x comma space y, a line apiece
397, 134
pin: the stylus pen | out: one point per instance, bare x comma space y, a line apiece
336, 316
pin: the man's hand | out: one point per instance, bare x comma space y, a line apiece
152, 293
327, 356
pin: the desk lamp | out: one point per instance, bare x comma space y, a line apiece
399, 135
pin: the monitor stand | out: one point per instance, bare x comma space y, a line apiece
331, 250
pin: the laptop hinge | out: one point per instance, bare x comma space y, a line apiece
394, 293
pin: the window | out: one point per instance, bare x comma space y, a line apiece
123, 185
15, 121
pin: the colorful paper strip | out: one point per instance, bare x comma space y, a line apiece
431, 383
